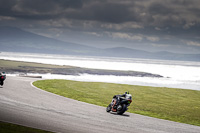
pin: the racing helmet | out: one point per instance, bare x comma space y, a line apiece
126, 92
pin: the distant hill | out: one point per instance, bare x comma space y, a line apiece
163, 55
16, 40
126, 52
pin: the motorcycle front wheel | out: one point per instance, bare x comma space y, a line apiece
1, 82
122, 110
108, 109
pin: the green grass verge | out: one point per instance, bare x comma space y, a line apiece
166, 103
13, 128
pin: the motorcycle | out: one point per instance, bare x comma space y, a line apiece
2, 78
122, 105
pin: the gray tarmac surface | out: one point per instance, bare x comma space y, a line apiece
23, 104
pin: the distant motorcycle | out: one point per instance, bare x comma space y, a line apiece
2, 78
123, 102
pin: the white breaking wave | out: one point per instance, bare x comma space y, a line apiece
177, 74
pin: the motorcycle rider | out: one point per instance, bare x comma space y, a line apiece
117, 97
120, 103
2, 77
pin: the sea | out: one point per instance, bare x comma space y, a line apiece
176, 74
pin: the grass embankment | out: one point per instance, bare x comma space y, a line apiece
13, 128
166, 103
27, 67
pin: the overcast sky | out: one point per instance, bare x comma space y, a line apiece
153, 25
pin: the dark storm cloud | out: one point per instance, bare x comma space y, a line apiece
49, 5
6, 7
159, 8
155, 21
102, 11
105, 12
37, 9
147, 12
174, 12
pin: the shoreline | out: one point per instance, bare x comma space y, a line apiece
98, 75
19, 67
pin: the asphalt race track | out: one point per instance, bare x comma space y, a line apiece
23, 104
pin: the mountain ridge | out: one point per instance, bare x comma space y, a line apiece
13, 39
30, 42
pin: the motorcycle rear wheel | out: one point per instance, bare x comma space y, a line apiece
121, 111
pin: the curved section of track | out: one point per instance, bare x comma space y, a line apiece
23, 104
